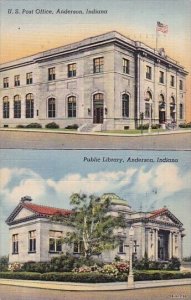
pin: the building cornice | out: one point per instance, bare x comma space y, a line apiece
91, 43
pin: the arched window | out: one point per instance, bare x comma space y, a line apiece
72, 107
17, 106
148, 105
5, 107
29, 106
125, 105
51, 108
172, 109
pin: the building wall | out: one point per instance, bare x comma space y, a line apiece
23, 249
112, 82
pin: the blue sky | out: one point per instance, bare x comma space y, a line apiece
50, 177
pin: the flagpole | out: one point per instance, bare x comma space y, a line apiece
156, 38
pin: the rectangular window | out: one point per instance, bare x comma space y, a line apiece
171, 80
147, 110
148, 72
77, 247
32, 241
125, 66
6, 82
71, 70
17, 80
181, 111
55, 243
51, 74
135, 247
98, 64
161, 77
121, 247
29, 78
181, 85
15, 244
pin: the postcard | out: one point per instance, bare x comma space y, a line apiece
96, 67
95, 140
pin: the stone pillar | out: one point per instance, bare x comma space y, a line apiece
181, 246
170, 245
156, 244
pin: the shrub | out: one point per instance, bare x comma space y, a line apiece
155, 126
52, 125
174, 264
160, 275
64, 277
122, 267
185, 125
110, 269
187, 258
20, 126
4, 263
15, 267
33, 125
143, 126
142, 264
37, 267
74, 126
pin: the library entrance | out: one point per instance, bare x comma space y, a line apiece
98, 105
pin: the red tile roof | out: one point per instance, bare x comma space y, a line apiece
46, 210
158, 212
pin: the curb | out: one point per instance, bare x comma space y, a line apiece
70, 286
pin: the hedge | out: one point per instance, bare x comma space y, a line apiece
95, 277
64, 277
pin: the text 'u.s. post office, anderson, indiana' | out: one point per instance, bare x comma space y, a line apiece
102, 82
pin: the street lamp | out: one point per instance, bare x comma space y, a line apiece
130, 279
150, 115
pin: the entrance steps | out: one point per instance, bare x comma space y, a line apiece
89, 127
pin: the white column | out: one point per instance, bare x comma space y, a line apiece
156, 244
170, 245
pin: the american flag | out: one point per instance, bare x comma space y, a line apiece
162, 27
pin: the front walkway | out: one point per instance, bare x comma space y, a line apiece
114, 286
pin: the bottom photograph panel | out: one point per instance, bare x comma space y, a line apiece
95, 216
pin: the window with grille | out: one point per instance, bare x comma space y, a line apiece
15, 243
98, 64
17, 107
55, 242
51, 108
5, 107
29, 78
71, 70
71, 107
51, 74
32, 241
17, 80
29, 106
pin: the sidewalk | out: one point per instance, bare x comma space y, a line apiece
113, 286
99, 133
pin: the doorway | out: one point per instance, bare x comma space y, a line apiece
98, 108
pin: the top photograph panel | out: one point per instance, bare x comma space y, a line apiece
95, 75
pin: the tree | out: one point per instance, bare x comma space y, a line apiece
93, 225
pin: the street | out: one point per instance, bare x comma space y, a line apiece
40, 140
162, 293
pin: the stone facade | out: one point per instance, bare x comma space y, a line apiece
34, 237
107, 80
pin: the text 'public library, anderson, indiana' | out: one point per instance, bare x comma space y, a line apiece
100, 83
